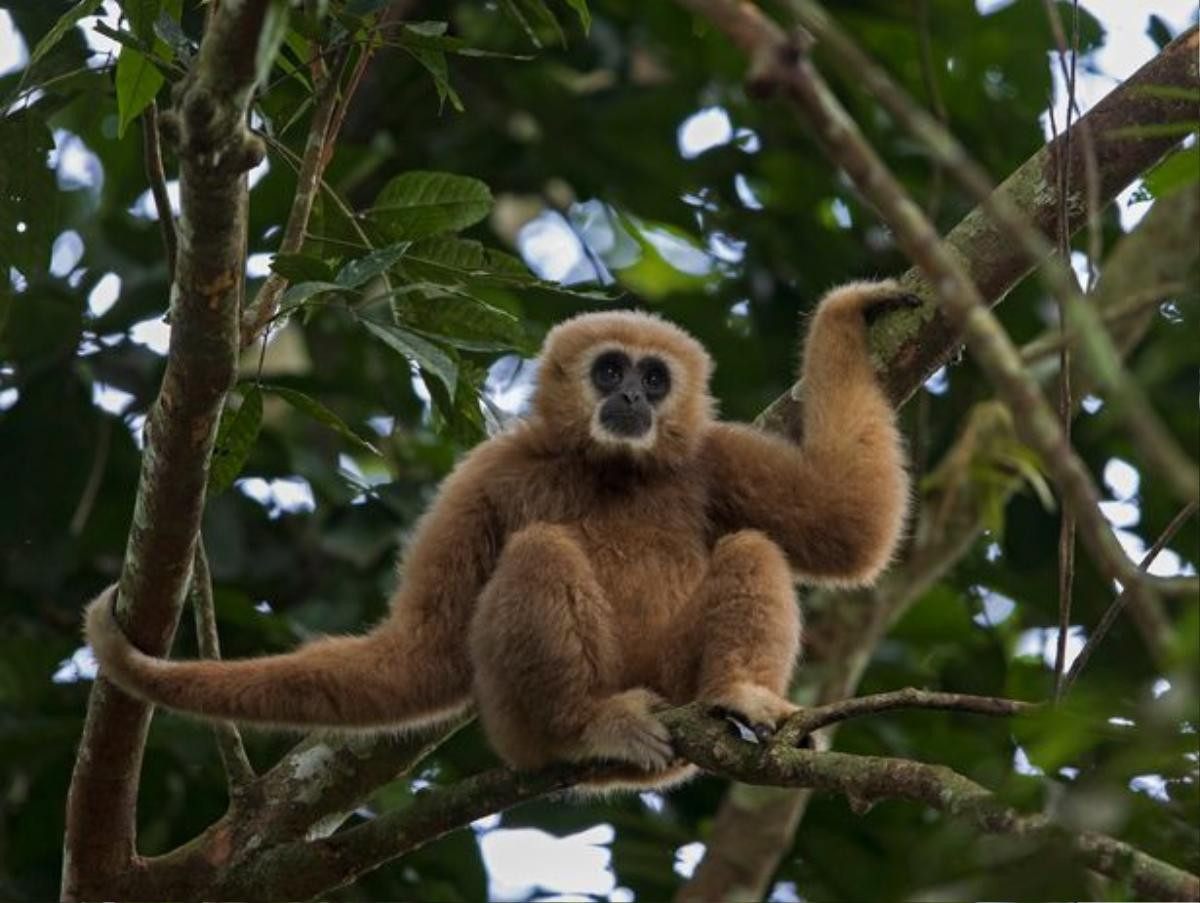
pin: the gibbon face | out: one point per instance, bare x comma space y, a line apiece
624, 384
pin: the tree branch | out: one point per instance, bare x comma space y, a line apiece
298, 870
238, 771
156, 176
308, 184
867, 779
215, 149
911, 348
803, 723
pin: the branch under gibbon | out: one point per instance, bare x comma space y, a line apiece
300, 869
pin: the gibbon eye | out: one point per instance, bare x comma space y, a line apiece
656, 378
609, 371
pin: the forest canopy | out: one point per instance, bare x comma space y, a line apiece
366, 215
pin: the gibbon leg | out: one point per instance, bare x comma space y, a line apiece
548, 661
747, 625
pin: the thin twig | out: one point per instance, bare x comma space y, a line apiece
91, 488
156, 176
295, 161
806, 721
238, 770
1066, 528
1091, 172
259, 312
1114, 609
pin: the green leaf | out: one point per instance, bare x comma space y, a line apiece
1179, 170
365, 268
434, 62
297, 268
236, 436
427, 355
138, 82
581, 10
534, 17
1026, 463
428, 29
65, 23
432, 36
142, 15
318, 412
421, 204
454, 260
464, 321
274, 30
298, 294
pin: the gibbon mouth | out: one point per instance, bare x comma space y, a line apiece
626, 422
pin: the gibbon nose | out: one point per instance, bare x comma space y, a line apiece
632, 396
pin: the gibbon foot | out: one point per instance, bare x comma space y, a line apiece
755, 706
623, 728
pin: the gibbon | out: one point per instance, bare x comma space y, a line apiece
618, 550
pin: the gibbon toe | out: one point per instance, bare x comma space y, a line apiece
760, 709
624, 729
879, 305
101, 629
870, 299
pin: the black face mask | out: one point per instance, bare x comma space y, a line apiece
630, 392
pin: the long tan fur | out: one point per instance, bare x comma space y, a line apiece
569, 581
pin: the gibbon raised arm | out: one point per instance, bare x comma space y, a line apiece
837, 502
615, 551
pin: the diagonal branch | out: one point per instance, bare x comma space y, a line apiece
1153, 440
215, 150
910, 350
959, 298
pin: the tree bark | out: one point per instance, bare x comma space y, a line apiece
215, 150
